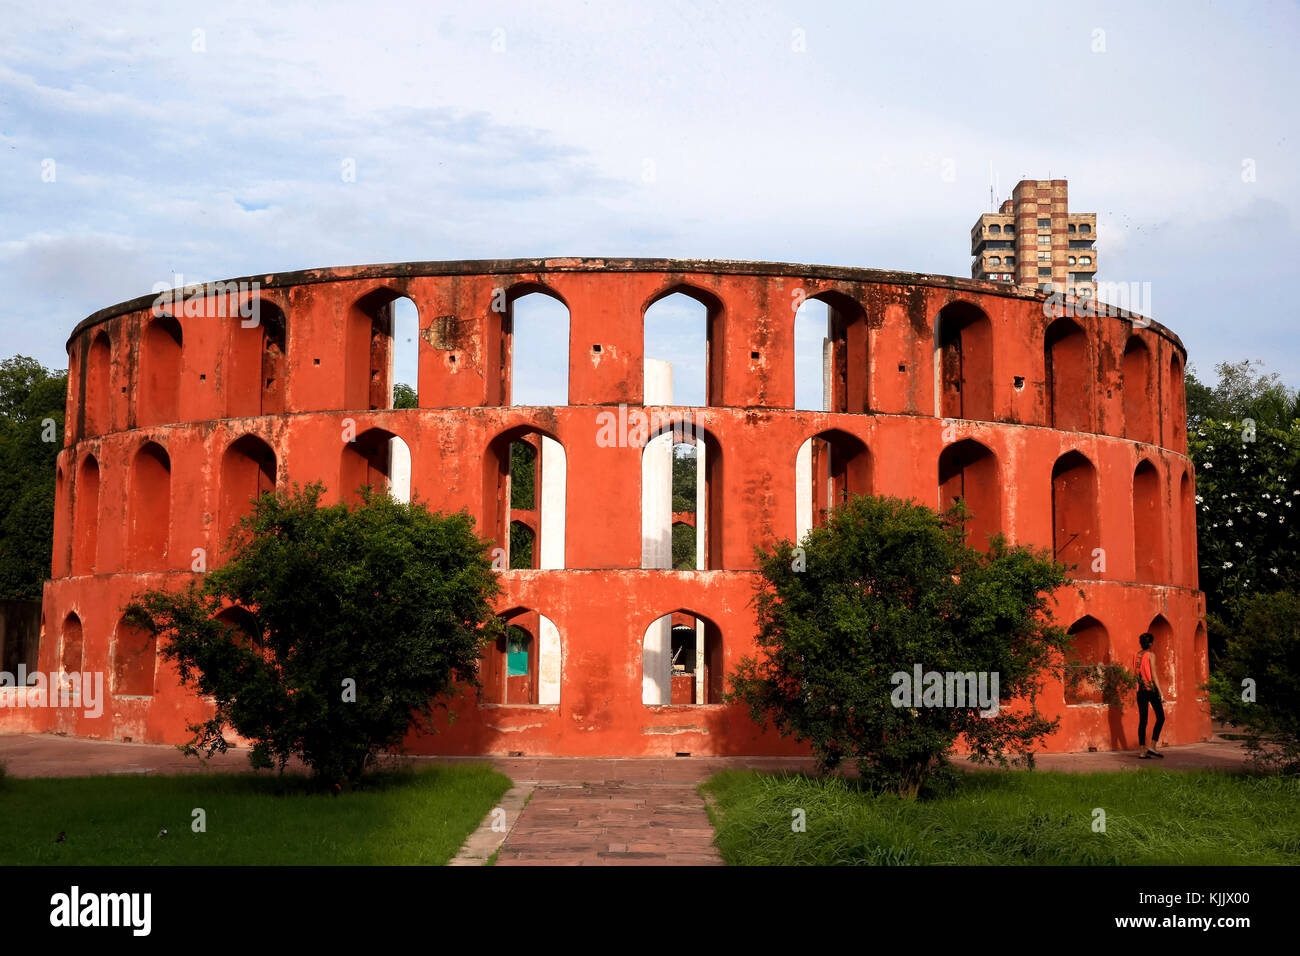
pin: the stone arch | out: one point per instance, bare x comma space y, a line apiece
673, 390
1176, 393
248, 470
1075, 531
1068, 385
257, 364
1166, 655
525, 664
1139, 420
149, 507
245, 624
536, 324
1187, 531
85, 521
72, 649
845, 358
1091, 646
665, 678
379, 459
963, 357
969, 471
657, 459
134, 660
1149, 562
160, 372
830, 467
99, 396
378, 330
505, 470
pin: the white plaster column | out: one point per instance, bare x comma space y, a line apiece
553, 470
548, 661
399, 470
803, 491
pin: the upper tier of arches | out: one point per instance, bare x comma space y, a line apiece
895, 344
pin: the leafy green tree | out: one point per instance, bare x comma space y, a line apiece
684, 479
1256, 683
1244, 438
32, 403
887, 585
354, 621
404, 396
684, 555
523, 475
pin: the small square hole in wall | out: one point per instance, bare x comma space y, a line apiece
452, 359
1019, 382
203, 376
595, 348
902, 367
315, 361
754, 356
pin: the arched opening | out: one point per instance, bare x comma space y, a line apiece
523, 666
244, 627
248, 470
830, 467
1148, 525
258, 365
831, 370
525, 483
99, 400
1074, 515
149, 508
1068, 385
1187, 531
160, 372
383, 337
812, 350
1177, 393
963, 346
85, 521
70, 655
681, 482
134, 656
1090, 647
1201, 648
1166, 655
1139, 424
379, 459
523, 553
969, 472
683, 330
537, 321
682, 660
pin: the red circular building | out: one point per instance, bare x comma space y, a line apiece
1065, 432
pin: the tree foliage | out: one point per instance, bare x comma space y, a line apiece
1256, 683
404, 396
887, 585
1244, 438
353, 621
32, 403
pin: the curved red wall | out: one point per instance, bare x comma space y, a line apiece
1113, 475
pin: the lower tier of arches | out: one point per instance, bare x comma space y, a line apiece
609, 663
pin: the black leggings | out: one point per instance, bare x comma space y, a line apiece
1149, 697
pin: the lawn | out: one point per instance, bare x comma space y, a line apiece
1152, 817
406, 817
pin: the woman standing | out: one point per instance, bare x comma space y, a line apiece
1148, 693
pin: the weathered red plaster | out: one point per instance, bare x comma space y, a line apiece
1065, 433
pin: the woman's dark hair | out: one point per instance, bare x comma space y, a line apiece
1146, 640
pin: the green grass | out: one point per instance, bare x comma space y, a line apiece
406, 817
1153, 817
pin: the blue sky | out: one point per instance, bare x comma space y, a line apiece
669, 129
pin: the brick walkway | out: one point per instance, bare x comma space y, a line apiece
584, 811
